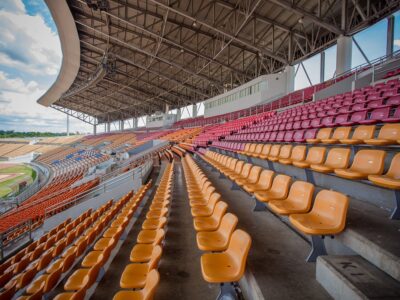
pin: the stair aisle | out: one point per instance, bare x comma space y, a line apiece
180, 265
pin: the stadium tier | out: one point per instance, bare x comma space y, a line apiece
238, 153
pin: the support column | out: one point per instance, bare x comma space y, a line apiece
322, 68
135, 122
121, 127
94, 129
108, 126
178, 114
67, 125
194, 110
290, 72
166, 108
390, 36
343, 54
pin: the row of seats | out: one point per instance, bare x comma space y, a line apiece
326, 215
228, 247
97, 251
366, 163
365, 134
45, 251
178, 151
140, 278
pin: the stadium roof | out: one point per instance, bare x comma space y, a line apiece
128, 58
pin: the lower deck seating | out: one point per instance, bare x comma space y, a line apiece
324, 216
227, 246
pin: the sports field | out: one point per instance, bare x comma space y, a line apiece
12, 174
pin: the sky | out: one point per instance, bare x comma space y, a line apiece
30, 59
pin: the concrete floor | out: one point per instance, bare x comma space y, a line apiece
277, 256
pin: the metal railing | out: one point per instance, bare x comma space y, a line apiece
107, 180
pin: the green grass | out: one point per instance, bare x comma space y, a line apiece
6, 186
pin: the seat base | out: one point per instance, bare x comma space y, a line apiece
318, 248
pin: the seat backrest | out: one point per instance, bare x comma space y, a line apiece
265, 179
45, 259
316, 155
252, 148
369, 162
214, 198
363, 132
228, 224
152, 281
233, 164
239, 166
324, 133
275, 150
228, 161
266, 149
280, 185
258, 149
246, 148
159, 236
254, 174
238, 250
285, 151
302, 192
332, 207
155, 257
52, 280
390, 132
68, 261
26, 278
338, 158
219, 210
394, 169
299, 153
246, 170
341, 133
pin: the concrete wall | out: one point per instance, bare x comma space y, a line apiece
343, 86
274, 87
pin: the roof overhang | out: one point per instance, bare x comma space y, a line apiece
70, 47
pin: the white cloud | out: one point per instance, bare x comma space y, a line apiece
397, 43
28, 44
30, 53
15, 6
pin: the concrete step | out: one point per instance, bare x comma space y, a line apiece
373, 236
352, 277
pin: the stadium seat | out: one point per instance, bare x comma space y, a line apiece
323, 134
388, 134
327, 217
365, 162
264, 182
265, 151
315, 156
298, 154
147, 293
337, 158
340, 133
135, 274
278, 191
227, 266
208, 209
252, 178
217, 240
361, 133
391, 179
211, 223
297, 202
274, 153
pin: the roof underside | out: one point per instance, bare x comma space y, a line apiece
137, 56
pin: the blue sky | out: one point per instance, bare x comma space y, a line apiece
371, 40
30, 59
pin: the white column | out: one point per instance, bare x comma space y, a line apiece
289, 70
343, 54
108, 126
67, 125
94, 129
135, 122
178, 114
122, 125
194, 110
